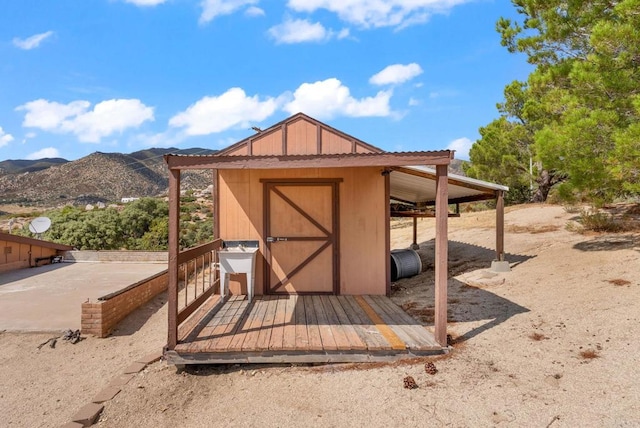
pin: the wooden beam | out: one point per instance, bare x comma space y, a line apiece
474, 198
285, 149
215, 197
441, 263
174, 250
318, 139
343, 160
500, 225
387, 236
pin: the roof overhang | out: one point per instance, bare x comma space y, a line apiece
344, 160
31, 241
417, 184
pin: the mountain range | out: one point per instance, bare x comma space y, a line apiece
98, 177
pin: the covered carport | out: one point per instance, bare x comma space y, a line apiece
415, 186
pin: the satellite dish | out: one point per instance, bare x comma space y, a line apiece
40, 225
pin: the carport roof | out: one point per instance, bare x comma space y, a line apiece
417, 184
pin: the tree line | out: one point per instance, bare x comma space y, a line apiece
573, 125
139, 225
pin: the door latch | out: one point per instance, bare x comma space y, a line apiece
275, 239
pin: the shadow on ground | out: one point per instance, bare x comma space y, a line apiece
465, 257
610, 243
466, 303
135, 320
20, 274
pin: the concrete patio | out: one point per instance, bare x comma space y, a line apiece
49, 298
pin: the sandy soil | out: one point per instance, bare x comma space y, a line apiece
551, 343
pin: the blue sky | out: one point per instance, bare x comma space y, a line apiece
124, 75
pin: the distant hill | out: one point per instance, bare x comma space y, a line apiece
456, 166
22, 165
99, 177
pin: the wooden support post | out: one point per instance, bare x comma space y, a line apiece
441, 263
387, 236
500, 225
215, 197
174, 250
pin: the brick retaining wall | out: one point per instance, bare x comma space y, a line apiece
100, 318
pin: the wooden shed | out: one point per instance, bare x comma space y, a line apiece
316, 202
17, 252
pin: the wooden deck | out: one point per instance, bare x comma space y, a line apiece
301, 329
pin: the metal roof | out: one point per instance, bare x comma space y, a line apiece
417, 184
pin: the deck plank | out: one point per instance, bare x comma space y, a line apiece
337, 329
423, 338
289, 333
315, 339
254, 329
355, 341
225, 323
221, 344
401, 334
207, 331
277, 333
363, 325
189, 329
326, 332
246, 322
266, 329
302, 334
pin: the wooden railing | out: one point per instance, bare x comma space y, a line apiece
198, 278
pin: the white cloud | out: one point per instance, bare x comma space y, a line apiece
219, 113
145, 2
328, 98
31, 42
5, 138
213, 8
299, 31
414, 102
302, 30
49, 152
395, 74
462, 147
379, 13
106, 118
343, 34
254, 11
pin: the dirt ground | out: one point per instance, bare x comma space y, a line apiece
553, 343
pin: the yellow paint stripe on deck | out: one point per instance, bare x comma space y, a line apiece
382, 327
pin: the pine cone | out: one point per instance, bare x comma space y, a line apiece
410, 383
430, 368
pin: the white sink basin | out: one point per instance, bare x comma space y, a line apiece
238, 259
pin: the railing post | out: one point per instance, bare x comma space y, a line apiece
174, 249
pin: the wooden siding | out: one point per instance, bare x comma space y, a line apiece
333, 143
361, 220
268, 144
302, 138
239, 151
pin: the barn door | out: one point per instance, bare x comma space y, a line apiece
301, 237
